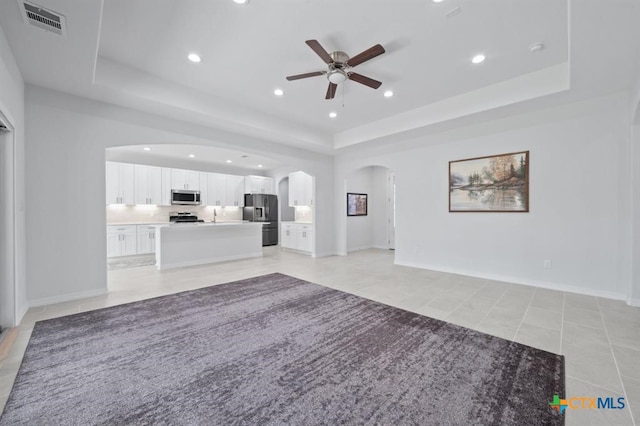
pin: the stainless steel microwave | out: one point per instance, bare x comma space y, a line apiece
185, 197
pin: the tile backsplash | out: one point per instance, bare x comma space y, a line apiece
154, 214
304, 214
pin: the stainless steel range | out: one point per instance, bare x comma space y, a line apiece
183, 217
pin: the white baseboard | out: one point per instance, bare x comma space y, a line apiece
521, 281
359, 248
208, 261
325, 254
21, 312
67, 297
633, 302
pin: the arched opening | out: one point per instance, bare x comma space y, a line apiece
370, 193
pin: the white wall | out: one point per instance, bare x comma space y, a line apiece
360, 228
635, 245
369, 231
577, 160
66, 242
13, 180
378, 207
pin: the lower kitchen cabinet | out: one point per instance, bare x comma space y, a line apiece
121, 240
146, 239
297, 236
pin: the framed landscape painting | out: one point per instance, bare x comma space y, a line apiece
356, 204
496, 183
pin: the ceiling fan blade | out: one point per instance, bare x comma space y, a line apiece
307, 75
370, 53
359, 78
315, 46
331, 91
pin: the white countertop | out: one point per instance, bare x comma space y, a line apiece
207, 224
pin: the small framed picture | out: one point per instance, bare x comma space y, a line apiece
356, 204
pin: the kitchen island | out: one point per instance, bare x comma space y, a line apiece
189, 244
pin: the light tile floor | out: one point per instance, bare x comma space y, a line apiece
599, 337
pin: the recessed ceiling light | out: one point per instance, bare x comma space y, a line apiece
228, 161
278, 92
259, 165
388, 94
478, 58
146, 148
437, 1
192, 156
333, 114
194, 57
536, 47
241, 1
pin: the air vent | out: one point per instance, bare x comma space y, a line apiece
42, 18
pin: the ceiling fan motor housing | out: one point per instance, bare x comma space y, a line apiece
339, 58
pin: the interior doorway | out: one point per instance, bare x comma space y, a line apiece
7, 225
287, 213
375, 226
391, 210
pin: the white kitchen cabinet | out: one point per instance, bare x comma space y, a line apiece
165, 199
148, 184
121, 240
204, 189
305, 236
216, 189
235, 191
119, 183
300, 189
287, 237
146, 239
258, 185
297, 236
185, 179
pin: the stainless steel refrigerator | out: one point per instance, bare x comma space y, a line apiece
263, 208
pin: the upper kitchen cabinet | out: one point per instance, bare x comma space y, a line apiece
300, 189
235, 191
120, 183
258, 185
216, 191
148, 184
185, 179
165, 199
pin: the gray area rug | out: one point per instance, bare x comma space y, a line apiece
276, 350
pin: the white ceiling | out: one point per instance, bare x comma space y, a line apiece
133, 53
228, 158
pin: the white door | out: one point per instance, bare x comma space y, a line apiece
391, 210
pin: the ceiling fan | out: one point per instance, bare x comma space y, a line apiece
340, 67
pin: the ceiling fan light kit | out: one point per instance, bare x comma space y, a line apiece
339, 67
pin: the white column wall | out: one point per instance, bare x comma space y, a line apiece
66, 242
578, 162
13, 181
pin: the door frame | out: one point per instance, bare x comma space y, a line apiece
8, 267
391, 210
